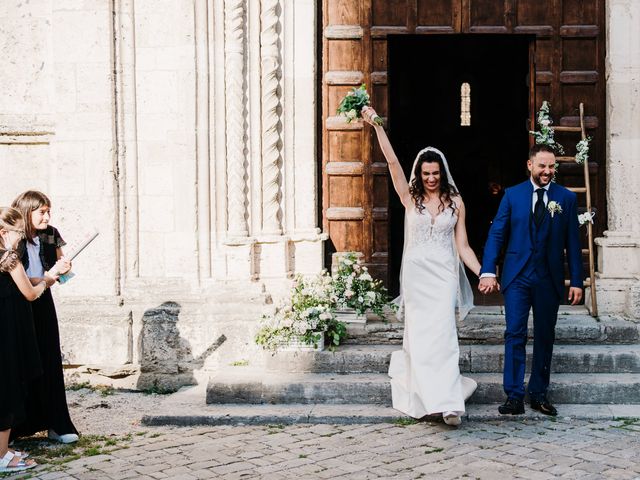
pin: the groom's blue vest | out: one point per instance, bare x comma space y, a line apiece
538, 263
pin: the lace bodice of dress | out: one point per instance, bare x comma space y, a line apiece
433, 232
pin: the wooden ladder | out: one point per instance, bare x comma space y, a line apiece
591, 281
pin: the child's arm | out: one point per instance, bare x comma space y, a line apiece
19, 276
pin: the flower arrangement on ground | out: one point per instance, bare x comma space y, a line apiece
353, 287
352, 104
307, 316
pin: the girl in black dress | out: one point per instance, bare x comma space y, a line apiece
46, 405
19, 358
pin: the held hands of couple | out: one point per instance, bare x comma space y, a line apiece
488, 285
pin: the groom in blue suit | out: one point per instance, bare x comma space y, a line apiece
537, 221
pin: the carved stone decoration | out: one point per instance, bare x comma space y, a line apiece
235, 101
126, 185
271, 116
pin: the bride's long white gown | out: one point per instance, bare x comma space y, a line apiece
425, 376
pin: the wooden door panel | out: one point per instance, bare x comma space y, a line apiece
489, 16
534, 13
345, 146
444, 15
389, 13
343, 12
580, 12
345, 188
345, 55
577, 54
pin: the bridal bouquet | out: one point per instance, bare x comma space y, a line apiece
352, 104
353, 287
306, 316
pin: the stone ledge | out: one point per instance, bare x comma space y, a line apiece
359, 414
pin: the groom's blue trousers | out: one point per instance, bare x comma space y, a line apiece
524, 293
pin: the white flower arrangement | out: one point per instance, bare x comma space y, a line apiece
546, 133
306, 316
554, 207
309, 313
582, 150
355, 288
586, 217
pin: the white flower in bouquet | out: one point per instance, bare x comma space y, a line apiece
366, 277
372, 296
348, 293
361, 299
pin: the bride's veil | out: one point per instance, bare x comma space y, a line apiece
464, 300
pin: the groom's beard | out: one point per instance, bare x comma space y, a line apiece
542, 180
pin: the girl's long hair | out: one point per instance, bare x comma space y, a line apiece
26, 203
416, 189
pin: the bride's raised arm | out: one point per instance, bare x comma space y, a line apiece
395, 169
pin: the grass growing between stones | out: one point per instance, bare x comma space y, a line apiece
403, 422
628, 423
53, 454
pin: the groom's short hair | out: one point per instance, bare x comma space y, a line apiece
540, 147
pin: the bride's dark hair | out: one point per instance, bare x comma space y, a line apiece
416, 189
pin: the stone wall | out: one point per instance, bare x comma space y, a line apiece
186, 132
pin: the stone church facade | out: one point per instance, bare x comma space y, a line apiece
190, 132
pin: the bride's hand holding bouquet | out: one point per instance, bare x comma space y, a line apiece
370, 116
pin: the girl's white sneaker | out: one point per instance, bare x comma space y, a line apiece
66, 438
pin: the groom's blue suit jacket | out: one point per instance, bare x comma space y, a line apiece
513, 226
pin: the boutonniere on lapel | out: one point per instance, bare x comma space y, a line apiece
554, 207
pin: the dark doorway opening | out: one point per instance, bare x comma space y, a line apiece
426, 95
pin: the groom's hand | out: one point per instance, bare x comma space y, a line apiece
488, 285
575, 295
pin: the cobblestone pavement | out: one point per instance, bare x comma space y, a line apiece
537, 449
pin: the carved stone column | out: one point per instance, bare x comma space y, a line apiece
203, 175
270, 63
235, 101
619, 249
126, 141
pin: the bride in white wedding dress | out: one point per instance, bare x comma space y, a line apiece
425, 376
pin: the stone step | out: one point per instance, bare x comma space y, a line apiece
374, 388
489, 329
473, 358
192, 414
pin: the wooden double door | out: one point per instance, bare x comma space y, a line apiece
415, 56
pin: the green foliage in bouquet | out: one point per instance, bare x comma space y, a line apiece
353, 287
352, 104
546, 132
307, 316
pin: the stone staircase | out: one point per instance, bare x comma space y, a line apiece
595, 376
595, 362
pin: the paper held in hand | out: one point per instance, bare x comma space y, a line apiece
75, 248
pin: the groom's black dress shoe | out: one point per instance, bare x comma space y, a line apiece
513, 406
542, 405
